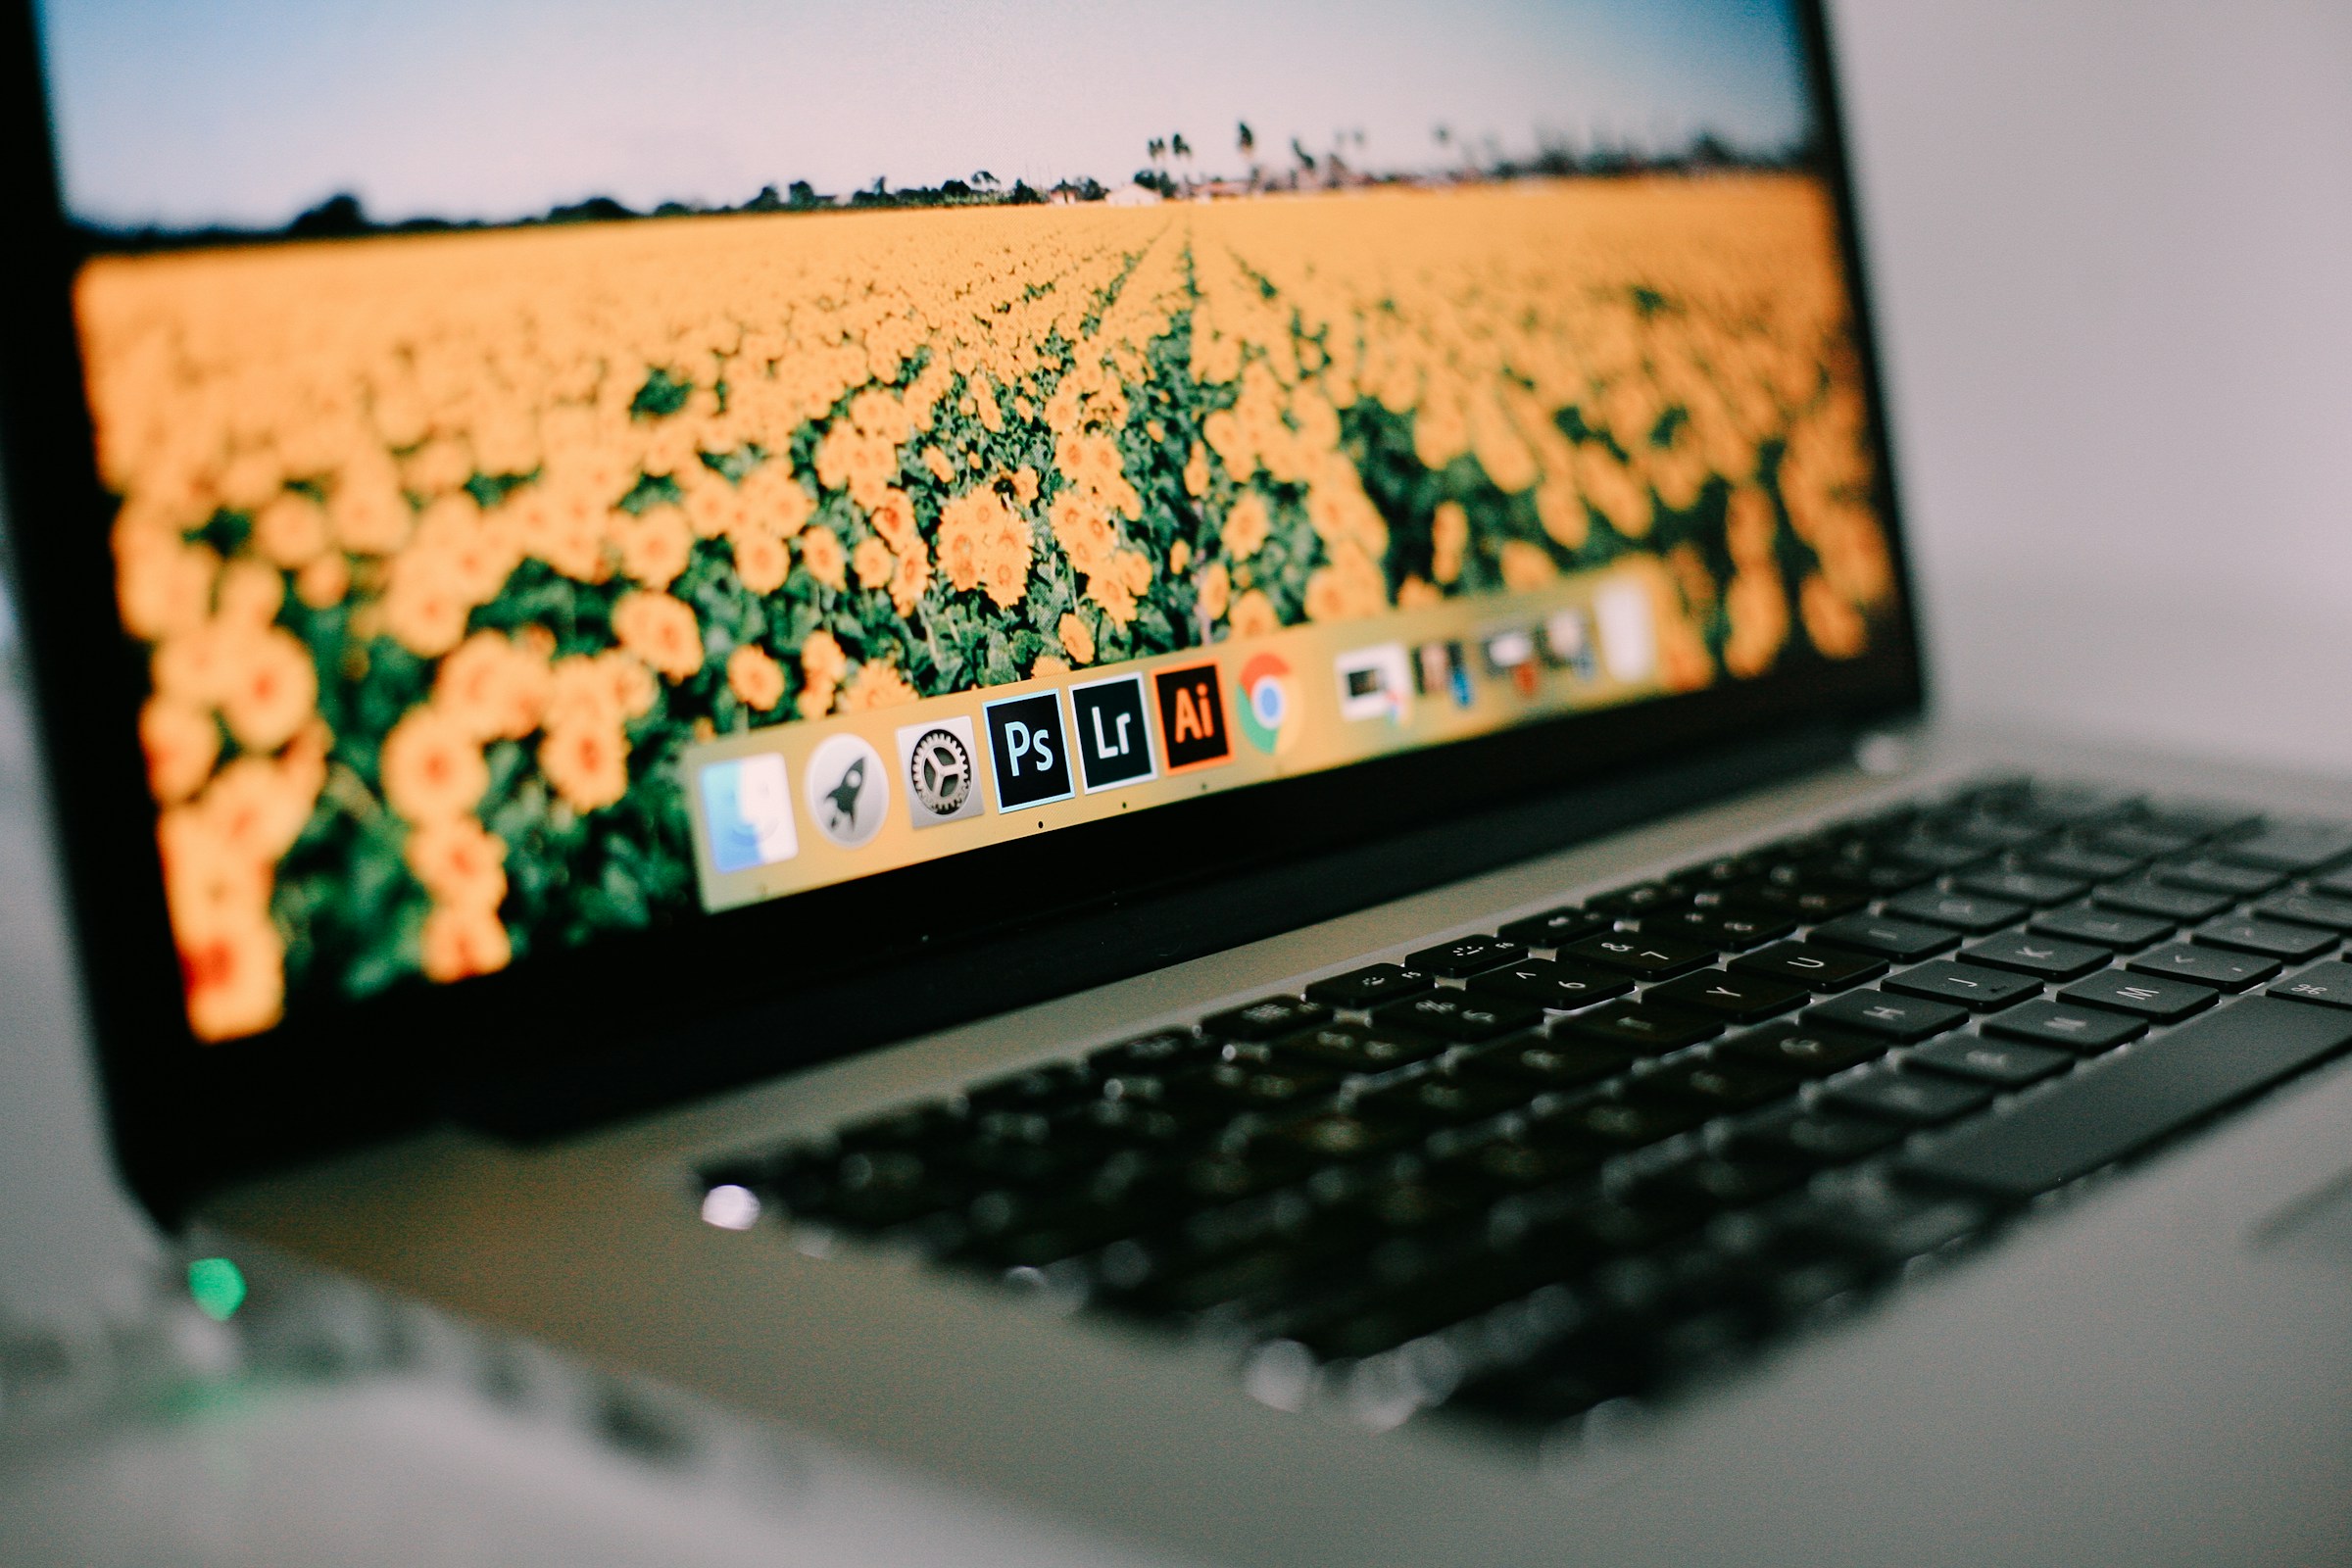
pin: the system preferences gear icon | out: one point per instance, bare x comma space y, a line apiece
940, 763
849, 792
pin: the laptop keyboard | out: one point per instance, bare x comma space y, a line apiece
1609, 1150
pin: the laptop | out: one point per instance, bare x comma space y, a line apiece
1173, 766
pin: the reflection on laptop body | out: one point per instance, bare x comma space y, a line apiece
535, 639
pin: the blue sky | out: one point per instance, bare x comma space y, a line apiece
189, 111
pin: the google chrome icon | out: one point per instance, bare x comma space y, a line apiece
1265, 701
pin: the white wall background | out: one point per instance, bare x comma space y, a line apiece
2113, 248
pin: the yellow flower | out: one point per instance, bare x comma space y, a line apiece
269, 686
1834, 627
235, 977
1215, 589
876, 684
983, 543
1076, 637
291, 530
761, 561
1349, 588
460, 862
182, 742
1246, 526
1253, 615
872, 561
1196, 472
432, 769
1449, 536
756, 679
826, 561
322, 583
587, 762
1526, 565
653, 547
661, 631
461, 942
492, 688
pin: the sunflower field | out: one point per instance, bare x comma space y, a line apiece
444, 548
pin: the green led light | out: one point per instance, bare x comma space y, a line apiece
218, 1287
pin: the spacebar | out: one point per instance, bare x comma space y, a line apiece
2108, 1112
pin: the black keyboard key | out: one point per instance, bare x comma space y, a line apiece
2109, 928
1637, 899
1936, 855
1159, 1053
1803, 1050
2062, 805
1902, 1019
1795, 1136
2095, 1118
2327, 984
1971, 913
1543, 983
888, 1188
1990, 832
1630, 1026
1052, 1087
1360, 1048
929, 1123
2217, 876
2043, 957
2084, 1031
1818, 969
1267, 1019
1903, 941
2197, 823
2308, 909
2142, 842
1444, 1100
1553, 927
2038, 888
1363, 990
1720, 1183
2291, 847
1712, 1086
1346, 1133
1459, 1015
1882, 1226
1728, 930
1465, 957
1618, 1124
1802, 902
2083, 862
1741, 998
1647, 957
1540, 1065
2142, 896
1978, 990
1498, 1166
2266, 937
1255, 1084
2335, 885
1914, 1100
2209, 966
2001, 1064
2145, 995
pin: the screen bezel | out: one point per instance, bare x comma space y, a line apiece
187, 1116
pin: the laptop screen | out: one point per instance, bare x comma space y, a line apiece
587, 470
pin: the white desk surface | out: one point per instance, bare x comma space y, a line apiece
2108, 243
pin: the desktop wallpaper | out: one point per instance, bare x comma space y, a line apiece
502, 399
